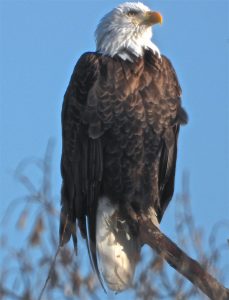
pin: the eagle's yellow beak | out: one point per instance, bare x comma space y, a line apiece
152, 17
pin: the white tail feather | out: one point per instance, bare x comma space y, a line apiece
117, 250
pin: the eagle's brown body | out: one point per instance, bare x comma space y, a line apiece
120, 127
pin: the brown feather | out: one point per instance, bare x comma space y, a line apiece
120, 124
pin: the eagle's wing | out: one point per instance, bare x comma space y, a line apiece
168, 153
81, 162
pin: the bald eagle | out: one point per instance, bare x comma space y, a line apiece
120, 122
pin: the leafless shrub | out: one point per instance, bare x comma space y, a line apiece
29, 254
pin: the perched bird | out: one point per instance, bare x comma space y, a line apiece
120, 122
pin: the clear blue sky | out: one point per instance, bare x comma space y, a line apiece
40, 42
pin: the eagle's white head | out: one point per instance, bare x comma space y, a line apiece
127, 29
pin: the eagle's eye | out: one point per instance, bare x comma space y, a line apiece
132, 13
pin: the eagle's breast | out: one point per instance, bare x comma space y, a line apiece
132, 110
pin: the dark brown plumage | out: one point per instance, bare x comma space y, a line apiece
120, 123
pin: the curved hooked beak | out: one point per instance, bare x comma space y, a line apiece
152, 17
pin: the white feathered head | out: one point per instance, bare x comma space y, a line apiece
127, 28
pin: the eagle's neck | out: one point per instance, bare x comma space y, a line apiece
137, 51
123, 43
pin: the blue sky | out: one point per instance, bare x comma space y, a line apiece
40, 42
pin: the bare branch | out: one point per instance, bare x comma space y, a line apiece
49, 273
180, 261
